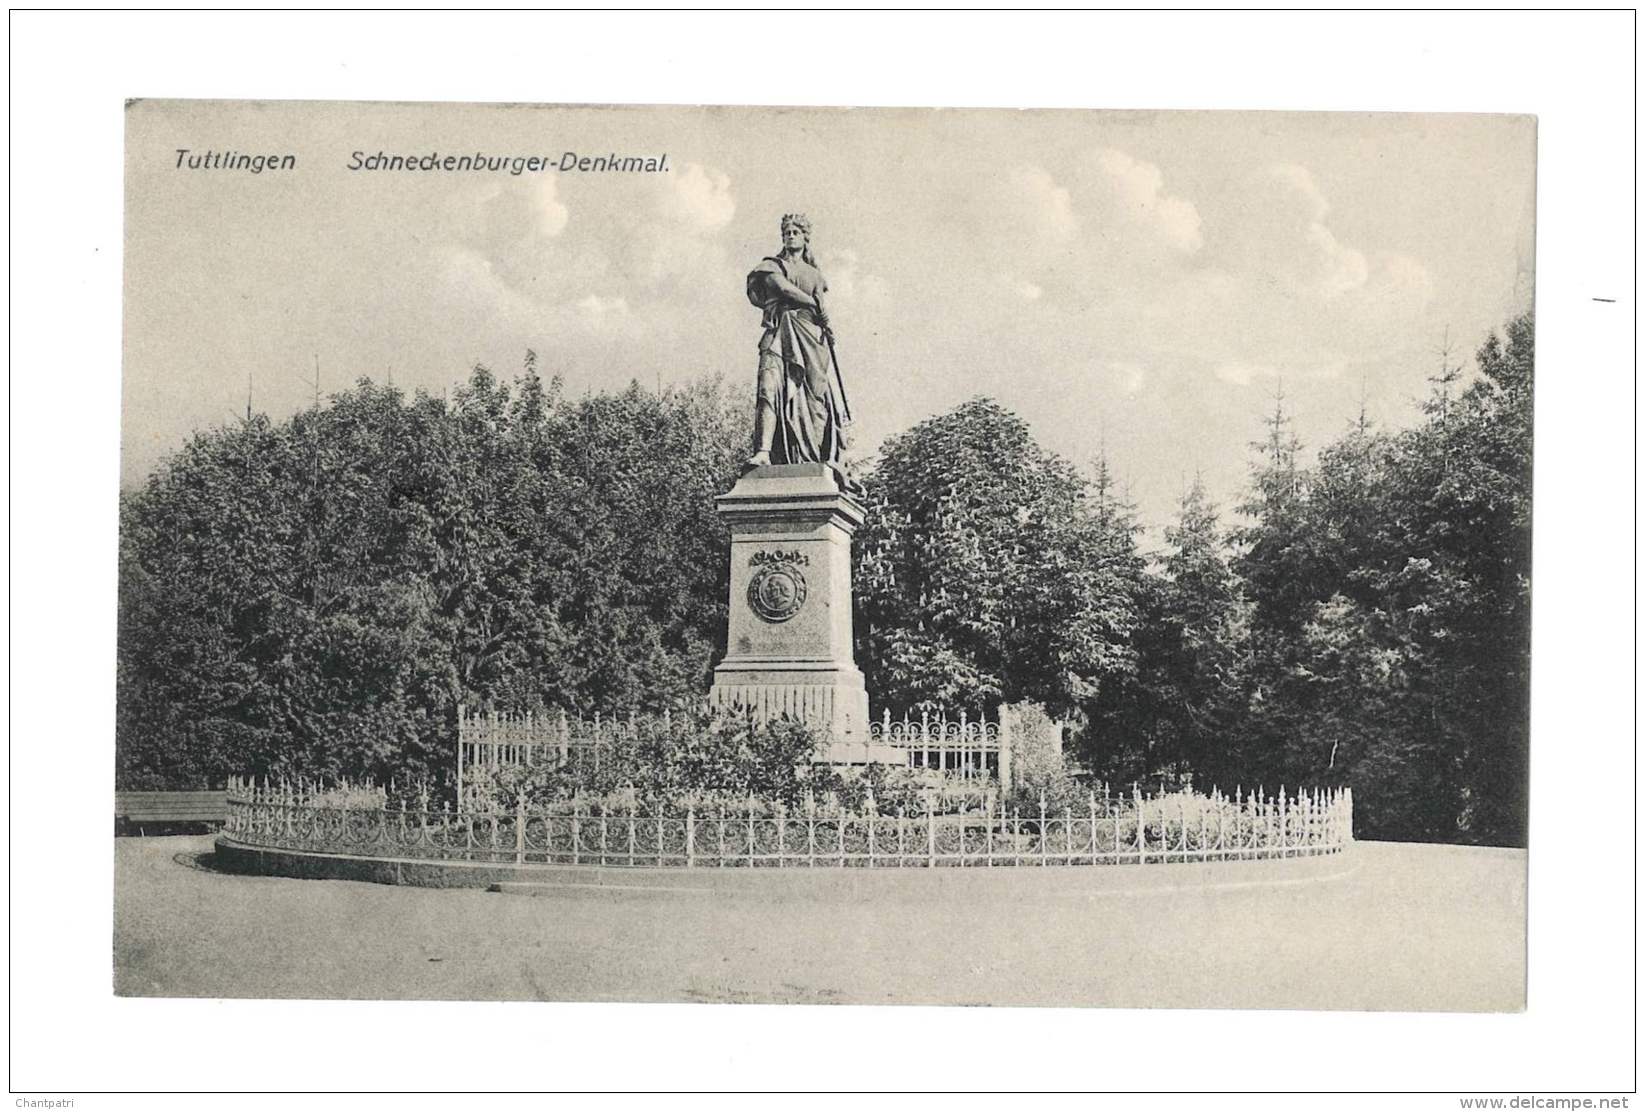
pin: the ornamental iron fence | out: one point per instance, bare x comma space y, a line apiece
1100, 830
971, 748
498, 740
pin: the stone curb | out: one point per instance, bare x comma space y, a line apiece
798, 882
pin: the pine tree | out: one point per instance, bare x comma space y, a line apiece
1201, 637
1277, 557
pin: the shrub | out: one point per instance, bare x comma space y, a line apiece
892, 789
349, 797
1039, 768
690, 755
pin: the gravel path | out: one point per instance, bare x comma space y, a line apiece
1402, 927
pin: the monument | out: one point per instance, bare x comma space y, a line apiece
792, 515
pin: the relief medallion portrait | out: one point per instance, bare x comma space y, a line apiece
777, 591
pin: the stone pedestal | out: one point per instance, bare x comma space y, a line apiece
788, 642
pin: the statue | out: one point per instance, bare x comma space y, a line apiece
789, 642
800, 409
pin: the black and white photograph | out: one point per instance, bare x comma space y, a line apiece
794, 565
871, 525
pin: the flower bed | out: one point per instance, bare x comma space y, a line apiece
751, 833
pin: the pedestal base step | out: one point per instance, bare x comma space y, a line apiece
809, 702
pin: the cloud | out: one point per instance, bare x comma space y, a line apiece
1399, 281
1077, 235
1039, 207
1277, 291
1245, 281
1322, 264
540, 258
1248, 279
675, 245
1014, 230
698, 199
1106, 197
1129, 375
531, 207
1130, 190
510, 225
1273, 229
602, 308
848, 280
1243, 374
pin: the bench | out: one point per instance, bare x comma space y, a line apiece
168, 809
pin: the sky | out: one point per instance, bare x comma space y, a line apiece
1135, 283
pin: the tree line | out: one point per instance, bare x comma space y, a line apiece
317, 595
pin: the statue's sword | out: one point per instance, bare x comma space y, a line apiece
834, 362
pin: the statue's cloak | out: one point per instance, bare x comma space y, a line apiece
812, 410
